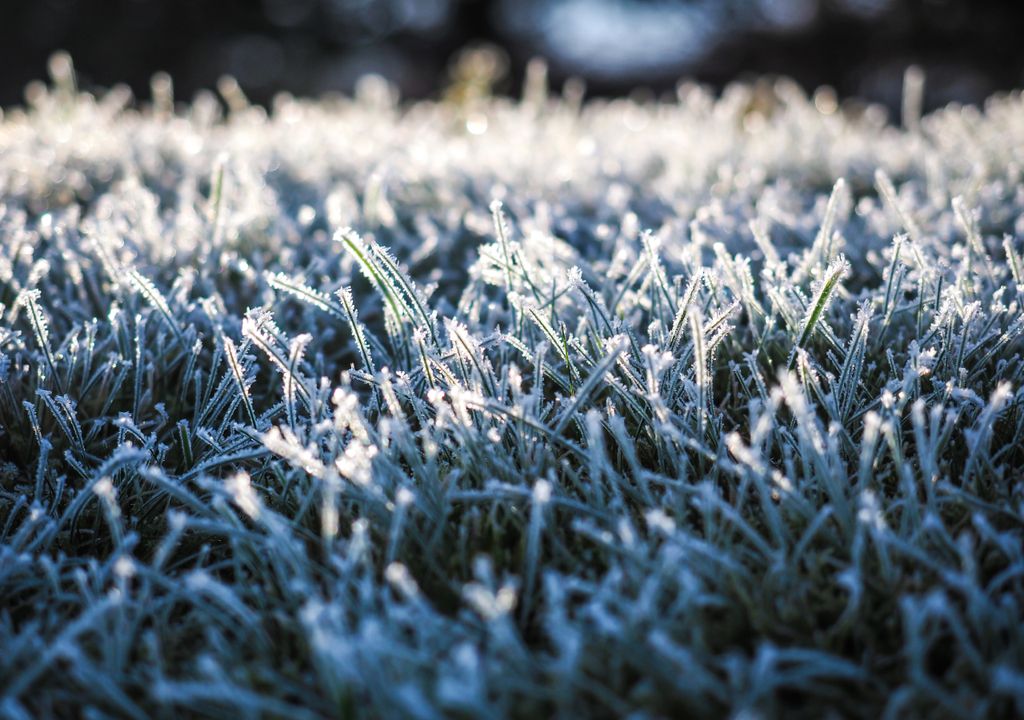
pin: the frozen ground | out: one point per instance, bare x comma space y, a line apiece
719, 411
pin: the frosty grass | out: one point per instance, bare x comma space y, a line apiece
489, 407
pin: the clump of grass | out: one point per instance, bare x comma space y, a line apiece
307, 423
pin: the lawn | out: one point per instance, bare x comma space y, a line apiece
704, 406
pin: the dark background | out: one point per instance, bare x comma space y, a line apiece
968, 48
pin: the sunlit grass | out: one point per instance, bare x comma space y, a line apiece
719, 409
